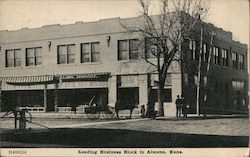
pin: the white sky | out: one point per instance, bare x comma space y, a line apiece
231, 15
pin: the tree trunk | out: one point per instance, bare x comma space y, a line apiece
160, 101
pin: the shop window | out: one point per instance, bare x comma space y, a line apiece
66, 54
167, 95
33, 56
238, 85
90, 52
13, 58
128, 49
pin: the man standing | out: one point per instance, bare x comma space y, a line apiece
178, 106
184, 106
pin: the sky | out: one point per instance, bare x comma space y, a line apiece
231, 15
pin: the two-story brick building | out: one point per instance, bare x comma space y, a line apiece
65, 65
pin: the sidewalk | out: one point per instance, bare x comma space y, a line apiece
122, 114
71, 115
209, 116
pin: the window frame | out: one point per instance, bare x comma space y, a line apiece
241, 61
66, 55
192, 47
90, 52
205, 52
128, 51
14, 58
216, 55
238, 85
224, 57
34, 56
235, 60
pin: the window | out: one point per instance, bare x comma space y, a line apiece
224, 55
95, 52
235, 60
241, 61
151, 48
128, 49
13, 58
167, 95
33, 56
216, 55
205, 52
192, 48
66, 54
90, 52
238, 85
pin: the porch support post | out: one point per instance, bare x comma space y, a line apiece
45, 97
0, 94
112, 89
143, 89
56, 96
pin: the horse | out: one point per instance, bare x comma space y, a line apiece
125, 105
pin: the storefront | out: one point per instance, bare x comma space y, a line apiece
47, 93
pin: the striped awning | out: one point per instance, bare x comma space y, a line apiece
85, 76
28, 79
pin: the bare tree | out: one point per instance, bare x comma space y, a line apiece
161, 35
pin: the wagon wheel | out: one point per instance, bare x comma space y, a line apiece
109, 112
92, 112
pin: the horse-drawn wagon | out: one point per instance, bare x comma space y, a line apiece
95, 110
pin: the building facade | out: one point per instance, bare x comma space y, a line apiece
64, 65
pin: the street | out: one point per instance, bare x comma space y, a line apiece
167, 132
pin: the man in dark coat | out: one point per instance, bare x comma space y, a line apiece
184, 106
178, 103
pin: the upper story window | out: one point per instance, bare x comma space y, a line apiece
235, 59
192, 48
151, 48
13, 58
33, 56
216, 55
128, 49
205, 52
66, 54
90, 52
224, 56
241, 61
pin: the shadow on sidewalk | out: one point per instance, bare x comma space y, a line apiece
116, 138
192, 117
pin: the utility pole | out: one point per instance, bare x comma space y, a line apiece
0, 94
210, 50
199, 73
209, 61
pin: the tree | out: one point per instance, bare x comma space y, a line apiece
161, 35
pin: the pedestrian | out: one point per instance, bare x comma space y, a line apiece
73, 108
184, 106
22, 120
142, 111
178, 106
16, 111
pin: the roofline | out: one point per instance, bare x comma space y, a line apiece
113, 18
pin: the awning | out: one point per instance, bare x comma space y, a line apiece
28, 79
85, 76
23, 80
